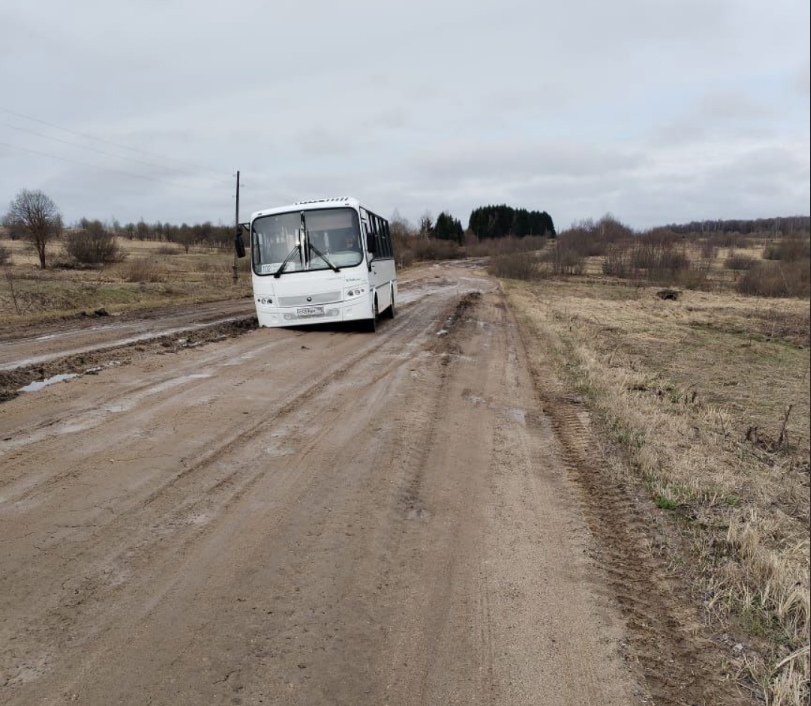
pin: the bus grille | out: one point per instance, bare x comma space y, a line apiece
306, 300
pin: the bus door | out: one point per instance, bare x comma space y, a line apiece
367, 231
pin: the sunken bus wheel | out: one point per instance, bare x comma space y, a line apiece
370, 325
391, 312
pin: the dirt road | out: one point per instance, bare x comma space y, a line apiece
97, 331
306, 517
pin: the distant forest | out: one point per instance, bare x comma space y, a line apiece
502, 221
784, 225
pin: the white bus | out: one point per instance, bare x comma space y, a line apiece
323, 261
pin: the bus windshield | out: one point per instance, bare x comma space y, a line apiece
320, 240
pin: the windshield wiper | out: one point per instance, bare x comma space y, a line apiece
278, 273
322, 256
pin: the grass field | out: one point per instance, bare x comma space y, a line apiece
703, 401
152, 274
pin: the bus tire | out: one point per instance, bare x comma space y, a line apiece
370, 325
391, 312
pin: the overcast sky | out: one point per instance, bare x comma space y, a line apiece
656, 111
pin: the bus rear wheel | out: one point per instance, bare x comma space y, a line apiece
391, 312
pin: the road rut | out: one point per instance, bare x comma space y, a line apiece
305, 517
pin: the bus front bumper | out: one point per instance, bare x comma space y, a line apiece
321, 314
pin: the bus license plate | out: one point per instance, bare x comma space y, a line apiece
310, 311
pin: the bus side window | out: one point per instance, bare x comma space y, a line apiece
384, 251
387, 237
373, 233
381, 236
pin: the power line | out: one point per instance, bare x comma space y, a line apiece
91, 149
108, 169
105, 141
109, 142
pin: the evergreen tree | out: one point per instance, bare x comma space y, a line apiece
502, 221
448, 228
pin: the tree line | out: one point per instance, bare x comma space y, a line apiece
488, 222
34, 216
503, 221
781, 225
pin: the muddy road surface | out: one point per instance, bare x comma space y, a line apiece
305, 517
74, 345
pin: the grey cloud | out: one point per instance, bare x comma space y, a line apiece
734, 182
713, 113
512, 158
320, 142
731, 105
802, 82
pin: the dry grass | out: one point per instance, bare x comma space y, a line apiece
699, 263
705, 401
148, 276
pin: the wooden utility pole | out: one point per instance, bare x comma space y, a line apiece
234, 267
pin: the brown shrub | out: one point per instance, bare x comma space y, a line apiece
404, 257
739, 262
93, 246
654, 257
433, 249
170, 250
590, 239
617, 262
789, 249
663, 237
143, 269
660, 261
566, 258
709, 251
515, 266
492, 247
778, 279
732, 239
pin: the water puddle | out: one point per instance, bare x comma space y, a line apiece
39, 384
475, 399
519, 415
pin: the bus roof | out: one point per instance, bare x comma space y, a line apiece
338, 202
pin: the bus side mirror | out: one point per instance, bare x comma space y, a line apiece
371, 243
239, 243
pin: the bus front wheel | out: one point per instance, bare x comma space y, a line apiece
370, 325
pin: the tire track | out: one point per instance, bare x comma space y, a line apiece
207, 488
679, 666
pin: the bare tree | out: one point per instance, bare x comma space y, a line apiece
37, 217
